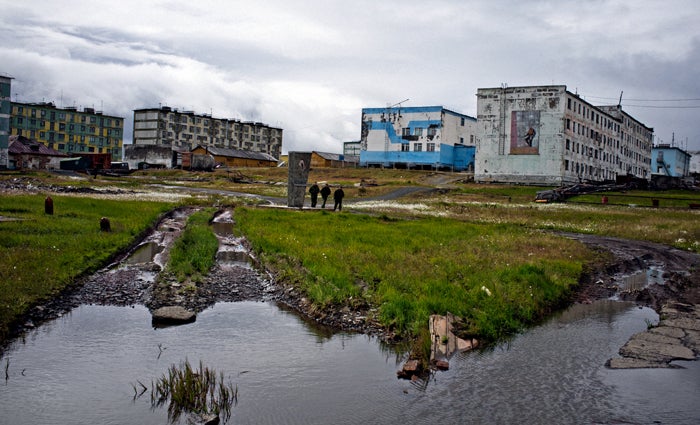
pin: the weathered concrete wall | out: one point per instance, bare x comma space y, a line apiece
547, 135
504, 151
152, 155
297, 178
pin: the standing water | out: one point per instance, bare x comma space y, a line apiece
80, 369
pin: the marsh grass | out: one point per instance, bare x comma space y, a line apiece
194, 252
413, 268
198, 391
43, 254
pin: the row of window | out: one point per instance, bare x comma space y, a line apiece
591, 114
68, 117
254, 138
37, 124
418, 147
605, 156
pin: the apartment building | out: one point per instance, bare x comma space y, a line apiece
5, 109
185, 130
546, 135
417, 137
68, 129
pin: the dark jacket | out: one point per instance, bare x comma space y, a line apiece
325, 191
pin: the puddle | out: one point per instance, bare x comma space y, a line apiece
231, 259
144, 253
232, 253
222, 228
640, 280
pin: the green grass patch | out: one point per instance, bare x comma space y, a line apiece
198, 391
194, 252
42, 254
413, 268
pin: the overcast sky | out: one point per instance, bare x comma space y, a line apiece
310, 67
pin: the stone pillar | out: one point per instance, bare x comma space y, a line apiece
296, 180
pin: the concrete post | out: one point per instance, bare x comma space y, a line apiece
296, 180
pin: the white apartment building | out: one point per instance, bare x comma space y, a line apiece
417, 137
546, 135
184, 130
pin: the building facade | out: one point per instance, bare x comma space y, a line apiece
694, 163
670, 161
417, 137
69, 130
184, 130
352, 148
546, 135
5, 110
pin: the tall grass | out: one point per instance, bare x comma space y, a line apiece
194, 252
42, 254
199, 391
413, 268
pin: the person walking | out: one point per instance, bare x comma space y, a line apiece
313, 190
325, 192
338, 198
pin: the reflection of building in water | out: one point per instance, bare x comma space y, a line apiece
547, 135
604, 308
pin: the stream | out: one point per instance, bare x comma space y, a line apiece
81, 368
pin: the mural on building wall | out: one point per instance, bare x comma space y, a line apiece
524, 132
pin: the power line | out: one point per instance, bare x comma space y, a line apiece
644, 100
662, 107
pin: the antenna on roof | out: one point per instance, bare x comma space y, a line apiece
619, 103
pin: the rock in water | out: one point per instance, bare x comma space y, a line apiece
172, 315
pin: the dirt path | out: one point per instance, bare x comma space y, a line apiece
663, 278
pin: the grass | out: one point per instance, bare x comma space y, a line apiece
194, 252
198, 391
428, 253
414, 268
43, 254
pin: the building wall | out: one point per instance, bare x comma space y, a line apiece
352, 148
546, 135
694, 165
184, 130
413, 136
69, 130
670, 161
5, 110
139, 156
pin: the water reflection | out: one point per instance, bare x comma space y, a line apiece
80, 369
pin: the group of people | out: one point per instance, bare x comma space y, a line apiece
325, 192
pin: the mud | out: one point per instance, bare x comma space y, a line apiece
664, 279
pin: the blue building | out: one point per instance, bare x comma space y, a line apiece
5, 110
670, 161
422, 137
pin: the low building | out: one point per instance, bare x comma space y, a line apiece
68, 129
332, 160
546, 135
426, 137
28, 154
670, 161
224, 157
142, 157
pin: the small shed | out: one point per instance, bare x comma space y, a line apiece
226, 157
24, 154
333, 160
